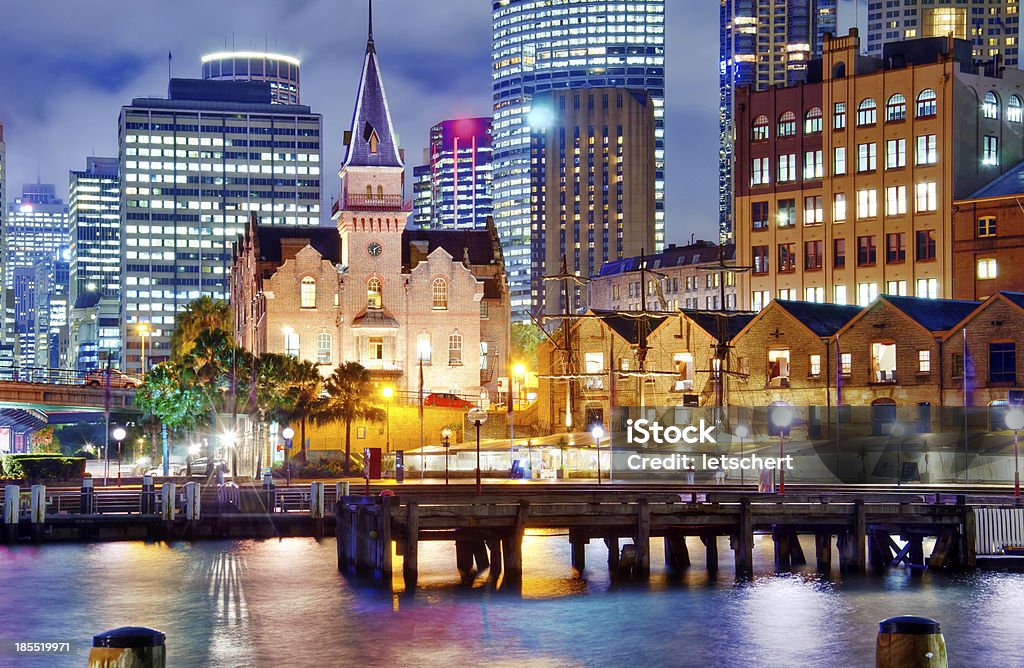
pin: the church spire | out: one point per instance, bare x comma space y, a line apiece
369, 30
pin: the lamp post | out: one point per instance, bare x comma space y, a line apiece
477, 417
287, 434
230, 440
1015, 421
598, 433
387, 393
119, 433
742, 433
143, 330
782, 417
446, 438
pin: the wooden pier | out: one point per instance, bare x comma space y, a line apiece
488, 530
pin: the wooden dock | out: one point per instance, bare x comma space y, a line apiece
488, 530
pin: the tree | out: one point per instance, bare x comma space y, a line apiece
348, 398
288, 389
43, 441
525, 339
203, 314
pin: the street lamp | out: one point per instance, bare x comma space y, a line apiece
1015, 421
287, 434
387, 393
477, 416
742, 432
519, 372
598, 433
118, 434
143, 330
782, 417
446, 437
230, 439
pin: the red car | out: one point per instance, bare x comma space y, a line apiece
446, 400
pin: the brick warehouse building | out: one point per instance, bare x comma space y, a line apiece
372, 291
845, 184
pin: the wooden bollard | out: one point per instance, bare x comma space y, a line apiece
269, 494
168, 501
12, 512
193, 506
147, 498
910, 641
342, 488
87, 504
316, 507
38, 511
128, 647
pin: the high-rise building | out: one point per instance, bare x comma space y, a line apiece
52, 305
763, 43
6, 347
37, 227
282, 72
194, 167
452, 189
592, 179
991, 26
845, 184
544, 46
95, 228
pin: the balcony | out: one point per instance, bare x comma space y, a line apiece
383, 368
362, 202
884, 377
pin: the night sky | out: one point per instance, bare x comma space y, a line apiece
70, 66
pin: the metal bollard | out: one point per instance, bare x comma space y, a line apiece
38, 511
134, 646
12, 511
269, 493
168, 498
147, 499
87, 506
910, 641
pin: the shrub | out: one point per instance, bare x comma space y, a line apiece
43, 467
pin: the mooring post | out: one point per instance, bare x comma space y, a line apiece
744, 543
643, 539
38, 514
193, 507
87, 503
711, 552
129, 646
316, 508
823, 551
12, 512
269, 494
410, 561
147, 497
970, 531
168, 506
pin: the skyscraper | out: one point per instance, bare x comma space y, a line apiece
452, 190
544, 46
37, 227
991, 26
592, 180
763, 43
282, 72
194, 166
95, 228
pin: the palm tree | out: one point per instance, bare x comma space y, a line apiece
288, 389
348, 398
203, 314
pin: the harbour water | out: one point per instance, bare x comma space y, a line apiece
283, 603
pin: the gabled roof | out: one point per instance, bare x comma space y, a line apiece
708, 321
479, 243
625, 326
935, 315
1006, 185
1014, 298
325, 240
824, 320
372, 117
701, 252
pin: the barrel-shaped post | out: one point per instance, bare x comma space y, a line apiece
316, 500
38, 511
192, 501
910, 641
168, 501
129, 646
87, 504
342, 488
12, 511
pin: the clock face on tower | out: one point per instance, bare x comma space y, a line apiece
375, 249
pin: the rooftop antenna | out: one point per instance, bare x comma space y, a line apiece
369, 29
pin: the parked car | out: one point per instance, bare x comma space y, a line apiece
447, 400
199, 466
98, 378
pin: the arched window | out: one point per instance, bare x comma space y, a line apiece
926, 103
291, 343
1014, 109
896, 108
867, 112
760, 130
812, 121
787, 124
307, 293
990, 107
374, 293
374, 142
423, 348
439, 291
369, 191
839, 70
380, 192
455, 349
323, 348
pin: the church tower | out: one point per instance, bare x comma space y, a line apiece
371, 216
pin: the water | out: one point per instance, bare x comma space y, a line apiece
283, 603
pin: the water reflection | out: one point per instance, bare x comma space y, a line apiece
283, 602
